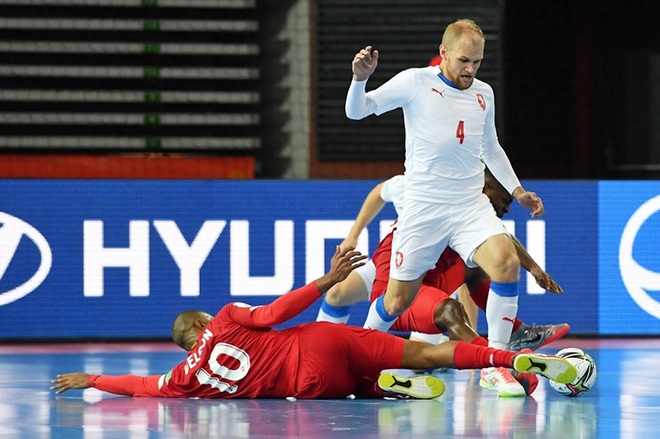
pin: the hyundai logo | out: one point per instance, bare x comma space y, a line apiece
636, 278
12, 230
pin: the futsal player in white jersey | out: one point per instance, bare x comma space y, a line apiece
449, 118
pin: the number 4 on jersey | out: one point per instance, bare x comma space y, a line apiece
460, 131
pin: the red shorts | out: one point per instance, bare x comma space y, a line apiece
337, 360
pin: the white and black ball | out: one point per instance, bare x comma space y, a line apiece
586, 376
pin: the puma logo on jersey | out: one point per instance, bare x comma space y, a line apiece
438, 92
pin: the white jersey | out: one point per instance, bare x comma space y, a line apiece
392, 191
440, 168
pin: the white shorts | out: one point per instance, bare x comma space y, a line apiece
425, 229
368, 274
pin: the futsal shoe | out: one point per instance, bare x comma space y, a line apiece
534, 336
418, 387
554, 368
501, 379
529, 381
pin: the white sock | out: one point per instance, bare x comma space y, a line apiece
500, 313
325, 317
378, 317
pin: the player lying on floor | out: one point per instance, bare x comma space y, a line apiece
237, 354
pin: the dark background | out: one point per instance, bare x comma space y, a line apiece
574, 80
577, 86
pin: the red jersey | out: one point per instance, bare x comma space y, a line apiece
239, 355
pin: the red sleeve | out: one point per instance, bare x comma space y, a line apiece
279, 311
131, 385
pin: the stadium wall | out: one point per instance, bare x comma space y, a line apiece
118, 259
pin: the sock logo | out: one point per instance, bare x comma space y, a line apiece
508, 319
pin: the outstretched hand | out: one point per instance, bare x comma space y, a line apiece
364, 63
68, 381
545, 281
343, 262
532, 202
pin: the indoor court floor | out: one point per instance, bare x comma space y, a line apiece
624, 403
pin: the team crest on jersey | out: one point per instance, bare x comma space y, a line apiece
481, 100
399, 259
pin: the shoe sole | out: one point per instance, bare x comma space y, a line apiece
420, 387
553, 368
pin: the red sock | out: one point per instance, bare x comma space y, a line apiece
471, 356
479, 341
480, 298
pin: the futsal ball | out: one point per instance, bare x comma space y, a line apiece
586, 372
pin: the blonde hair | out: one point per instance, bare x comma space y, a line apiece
459, 28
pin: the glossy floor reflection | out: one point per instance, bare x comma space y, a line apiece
625, 402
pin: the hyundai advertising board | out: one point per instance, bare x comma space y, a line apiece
83, 259
119, 259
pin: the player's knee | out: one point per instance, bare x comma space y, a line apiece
450, 313
333, 296
507, 268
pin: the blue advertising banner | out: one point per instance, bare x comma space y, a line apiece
564, 242
119, 259
629, 236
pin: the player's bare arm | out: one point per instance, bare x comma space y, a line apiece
364, 63
543, 279
371, 207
